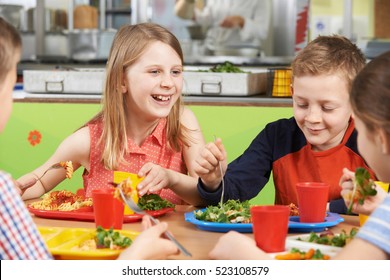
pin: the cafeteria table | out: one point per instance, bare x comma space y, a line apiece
198, 242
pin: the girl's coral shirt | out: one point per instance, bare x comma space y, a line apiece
154, 149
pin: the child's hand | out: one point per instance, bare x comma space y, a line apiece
18, 187
21, 188
149, 245
156, 178
370, 203
146, 223
346, 183
207, 164
236, 246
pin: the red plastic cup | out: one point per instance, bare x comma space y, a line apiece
312, 200
270, 227
108, 210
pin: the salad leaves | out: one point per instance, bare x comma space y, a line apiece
111, 239
154, 202
233, 211
363, 187
364, 183
331, 239
226, 67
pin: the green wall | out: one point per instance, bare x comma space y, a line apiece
54, 121
237, 126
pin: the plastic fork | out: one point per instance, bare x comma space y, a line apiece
352, 196
133, 206
222, 179
30, 184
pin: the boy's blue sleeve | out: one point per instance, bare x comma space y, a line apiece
338, 206
211, 198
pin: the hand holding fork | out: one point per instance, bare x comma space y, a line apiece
67, 165
133, 206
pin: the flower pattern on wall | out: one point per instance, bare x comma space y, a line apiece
34, 137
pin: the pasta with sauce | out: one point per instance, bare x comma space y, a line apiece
68, 168
61, 201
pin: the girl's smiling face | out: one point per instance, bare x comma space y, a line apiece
154, 82
321, 109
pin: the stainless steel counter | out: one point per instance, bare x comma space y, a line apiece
191, 63
256, 100
264, 61
241, 61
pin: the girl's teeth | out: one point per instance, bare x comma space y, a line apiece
162, 98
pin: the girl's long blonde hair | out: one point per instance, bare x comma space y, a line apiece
129, 44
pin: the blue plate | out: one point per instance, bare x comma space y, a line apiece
331, 220
294, 225
218, 227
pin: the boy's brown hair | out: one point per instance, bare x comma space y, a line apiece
329, 55
10, 45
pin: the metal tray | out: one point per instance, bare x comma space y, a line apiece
224, 84
72, 80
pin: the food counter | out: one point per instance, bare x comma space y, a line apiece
239, 60
198, 242
69, 82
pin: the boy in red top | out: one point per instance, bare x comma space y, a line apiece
315, 145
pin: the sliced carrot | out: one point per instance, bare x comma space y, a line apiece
289, 256
309, 254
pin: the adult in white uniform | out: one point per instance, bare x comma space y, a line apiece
230, 23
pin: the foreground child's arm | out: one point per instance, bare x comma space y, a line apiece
236, 246
74, 148
149, 245
359, 249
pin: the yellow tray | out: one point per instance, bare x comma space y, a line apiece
62, 243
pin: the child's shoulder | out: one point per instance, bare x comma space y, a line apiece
188, 116
284, 129
187, 111
79, 135
78, 143
283, 123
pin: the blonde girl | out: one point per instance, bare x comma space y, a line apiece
143, 127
